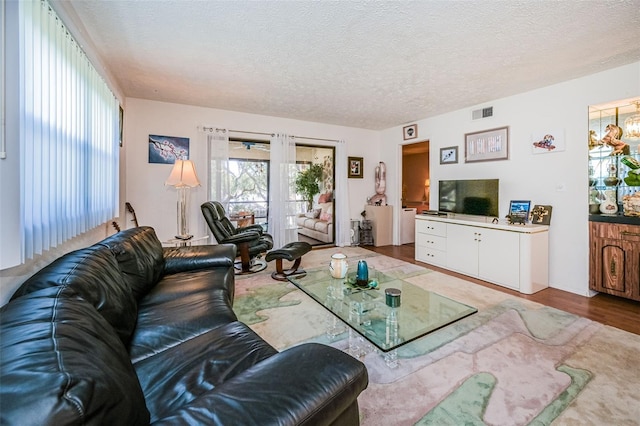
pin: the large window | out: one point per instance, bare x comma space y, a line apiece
249, 167
68, 132
249, 187
248, 170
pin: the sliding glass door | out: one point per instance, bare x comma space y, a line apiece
249, 169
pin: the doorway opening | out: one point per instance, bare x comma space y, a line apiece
416, 186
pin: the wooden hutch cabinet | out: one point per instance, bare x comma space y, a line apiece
615, 259
614, 222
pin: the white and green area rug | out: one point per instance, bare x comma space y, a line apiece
515, 362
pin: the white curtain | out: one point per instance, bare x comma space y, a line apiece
342, 220
282, 204
68, 135
218, 165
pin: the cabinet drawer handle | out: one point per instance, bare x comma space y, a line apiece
630, 234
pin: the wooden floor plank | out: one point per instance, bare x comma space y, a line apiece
606, 309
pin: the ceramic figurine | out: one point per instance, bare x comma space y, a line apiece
609, 205
593, 140
515, 219
612, 139
380, 199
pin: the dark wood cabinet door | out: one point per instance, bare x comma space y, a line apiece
615, 260
611, 267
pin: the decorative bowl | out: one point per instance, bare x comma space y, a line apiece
611, 181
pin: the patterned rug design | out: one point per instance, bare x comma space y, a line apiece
515, 362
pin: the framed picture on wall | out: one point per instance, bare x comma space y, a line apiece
449, 155
167, 149
120, 124
355, 167
487, 145
410, 132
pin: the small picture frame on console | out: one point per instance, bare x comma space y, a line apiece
519, 211
541, 215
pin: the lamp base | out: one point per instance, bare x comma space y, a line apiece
183, 213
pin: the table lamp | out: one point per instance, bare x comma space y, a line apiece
425, 195
183, 177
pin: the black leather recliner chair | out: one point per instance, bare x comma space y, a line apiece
251, 240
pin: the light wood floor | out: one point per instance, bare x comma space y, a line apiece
610, 310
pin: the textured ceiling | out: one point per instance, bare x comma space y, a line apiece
374, 64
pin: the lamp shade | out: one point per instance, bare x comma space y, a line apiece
183, 175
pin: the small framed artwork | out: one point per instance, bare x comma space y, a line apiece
487, 145
120, 124
449, 155
167, 149
519, 209
410, 132
548, 141
541, 215
355, 167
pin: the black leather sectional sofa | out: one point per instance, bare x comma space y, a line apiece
126, 332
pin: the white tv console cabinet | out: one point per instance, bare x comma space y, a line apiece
513, 256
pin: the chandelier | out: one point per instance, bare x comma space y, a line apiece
632, 124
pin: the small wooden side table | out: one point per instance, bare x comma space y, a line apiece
243, 219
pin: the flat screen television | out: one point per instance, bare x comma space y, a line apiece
474, 197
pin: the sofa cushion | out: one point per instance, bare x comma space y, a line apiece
326, 213
63, 364
313, 214
325, 198
182, 306
94, 275
140, 257
321, 226
222, 353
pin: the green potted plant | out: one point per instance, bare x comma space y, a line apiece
308, 183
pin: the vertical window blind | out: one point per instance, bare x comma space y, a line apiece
68, 135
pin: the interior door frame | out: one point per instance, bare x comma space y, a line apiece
398, 221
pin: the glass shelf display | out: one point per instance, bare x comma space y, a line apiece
612, 167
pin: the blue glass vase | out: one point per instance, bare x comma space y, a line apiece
362, 274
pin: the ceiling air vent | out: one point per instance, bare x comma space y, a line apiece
482, 113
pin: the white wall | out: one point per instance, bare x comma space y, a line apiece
558, 178
155, 204
523, 176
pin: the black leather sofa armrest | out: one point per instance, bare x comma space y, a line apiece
309, 384
181, 259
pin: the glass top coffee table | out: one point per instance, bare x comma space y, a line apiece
365, 310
